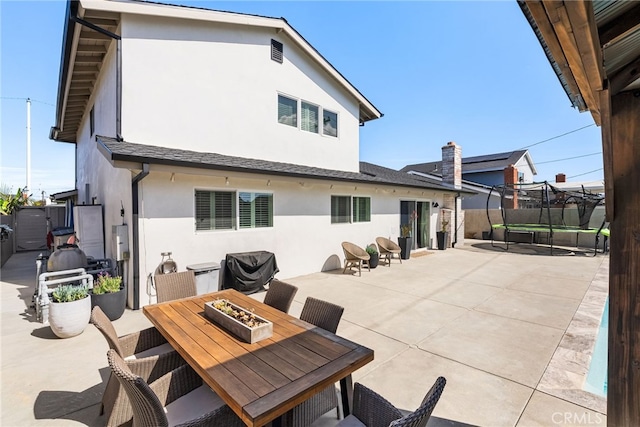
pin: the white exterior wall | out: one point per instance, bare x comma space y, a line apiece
111, 187
523, 166
302, 237
213, 88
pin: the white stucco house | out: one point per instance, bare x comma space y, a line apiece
209, 132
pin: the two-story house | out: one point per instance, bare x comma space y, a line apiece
209, 132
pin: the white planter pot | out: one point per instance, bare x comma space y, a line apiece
68, 319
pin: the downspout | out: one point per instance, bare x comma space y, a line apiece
118, 40
455, 220
135, 256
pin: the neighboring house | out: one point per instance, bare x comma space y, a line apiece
212, 132
487, 169
480, 173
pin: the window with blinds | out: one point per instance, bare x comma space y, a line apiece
340, 209
255, 210
329, 123
287, 111
215, 210
361, 209
309, 117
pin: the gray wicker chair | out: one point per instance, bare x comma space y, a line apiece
372, 410
147, 354
354, 256
178, 398
175, 285
327, 316
280, 295
388, 250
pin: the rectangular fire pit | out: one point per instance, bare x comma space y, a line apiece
261, 329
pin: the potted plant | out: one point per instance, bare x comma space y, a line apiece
69, 310
443, 234
374, 257
108, 293
405, 241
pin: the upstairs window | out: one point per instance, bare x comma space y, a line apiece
309, 117
287, 111
92, 122
276, 51
329, 123
256, 210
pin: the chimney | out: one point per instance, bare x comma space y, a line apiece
452, 165
511, 181
560, 177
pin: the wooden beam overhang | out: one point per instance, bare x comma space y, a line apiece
570, 23
617, 27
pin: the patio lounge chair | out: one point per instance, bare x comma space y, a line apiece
280, 295
354, 256
147, 354
327, 316
175, 285
388, 249
372, 410
179, 398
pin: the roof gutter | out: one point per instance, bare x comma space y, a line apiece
135, 207
67, 45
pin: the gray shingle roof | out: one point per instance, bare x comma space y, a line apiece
115, 150
489, 162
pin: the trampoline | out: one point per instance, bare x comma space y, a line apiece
556, 211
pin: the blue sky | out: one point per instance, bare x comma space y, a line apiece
469, 72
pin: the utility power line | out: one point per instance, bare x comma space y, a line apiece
558, 136
31, 99
586, 173
569, 158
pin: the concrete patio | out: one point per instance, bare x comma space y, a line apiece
511, 331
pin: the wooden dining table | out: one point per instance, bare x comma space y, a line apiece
261, 381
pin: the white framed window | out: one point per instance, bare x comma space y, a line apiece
255, 210
329, 123
287, 111
362, 209
340, 209
290, 108
309, 117
215, 210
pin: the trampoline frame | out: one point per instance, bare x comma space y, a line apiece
579, 199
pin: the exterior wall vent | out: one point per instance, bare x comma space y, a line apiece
276, 51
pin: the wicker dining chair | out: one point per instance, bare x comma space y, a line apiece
372, 410
178, 398
354, 256
172, 286
280, 295
388, 249
327, 316
147, 354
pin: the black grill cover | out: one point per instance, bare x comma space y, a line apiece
248, 272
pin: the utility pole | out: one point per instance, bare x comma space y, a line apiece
28, 146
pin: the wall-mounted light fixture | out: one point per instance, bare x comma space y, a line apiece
226, 180
173, 177
435, 204
268, 183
